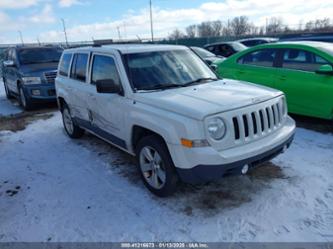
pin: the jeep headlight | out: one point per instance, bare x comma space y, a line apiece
216, 128
31, 80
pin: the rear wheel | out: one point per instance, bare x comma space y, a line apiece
71, 128
156, 167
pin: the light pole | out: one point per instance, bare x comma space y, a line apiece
21, 36
151, 21
65, 33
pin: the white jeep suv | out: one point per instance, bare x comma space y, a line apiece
165, 106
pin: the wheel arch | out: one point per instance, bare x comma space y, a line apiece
138, 132
61, 103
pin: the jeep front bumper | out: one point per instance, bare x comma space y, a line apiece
197, 165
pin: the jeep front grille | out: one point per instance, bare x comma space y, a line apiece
259, 122
50, 76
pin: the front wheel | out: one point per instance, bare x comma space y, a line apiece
8, 93
71, 128
156, 167
25, 103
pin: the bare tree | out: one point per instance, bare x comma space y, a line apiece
205, 29
191, 31
275, 25
227, 29
176, 35
240, 25
217, 28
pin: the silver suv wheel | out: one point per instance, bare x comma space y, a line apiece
68, 122
152, 167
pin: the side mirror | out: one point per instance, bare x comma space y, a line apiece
107, 86
325, 69
214, 67
9, 63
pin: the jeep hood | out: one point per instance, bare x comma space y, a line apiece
38, 69
199, 101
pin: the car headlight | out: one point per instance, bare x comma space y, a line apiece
31, 80
216, 128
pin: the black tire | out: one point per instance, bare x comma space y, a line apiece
8, 93
25, 102
157, 144
72, 130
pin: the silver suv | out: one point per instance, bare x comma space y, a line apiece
165, 106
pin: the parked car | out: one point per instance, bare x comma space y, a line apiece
164, 105
29, 74
251, 42
302, 70
225, 49
319, 37
207, 56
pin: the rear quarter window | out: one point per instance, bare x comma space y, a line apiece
302, 60
64, 64
79, 68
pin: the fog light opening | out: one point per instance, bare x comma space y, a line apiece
35, 92
245, 169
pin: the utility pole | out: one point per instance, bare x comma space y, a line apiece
119, 36
38, 41
65, 33
21, 36
151, 21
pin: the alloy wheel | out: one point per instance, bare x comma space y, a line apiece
68, 122
152, 167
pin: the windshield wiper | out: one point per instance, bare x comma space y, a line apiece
161, 87
199, 81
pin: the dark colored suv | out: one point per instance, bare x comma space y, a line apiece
225, 49
29, 74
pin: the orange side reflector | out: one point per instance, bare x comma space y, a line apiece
186, 143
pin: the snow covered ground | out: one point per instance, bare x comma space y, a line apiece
53, 188
7, 107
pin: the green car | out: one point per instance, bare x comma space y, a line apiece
302, 70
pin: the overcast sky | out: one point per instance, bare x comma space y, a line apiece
100, 19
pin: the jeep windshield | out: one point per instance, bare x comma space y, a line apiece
166, 69
39, 55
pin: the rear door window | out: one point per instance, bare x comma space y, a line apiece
64, 64
297, 59
79, 67
261, 58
